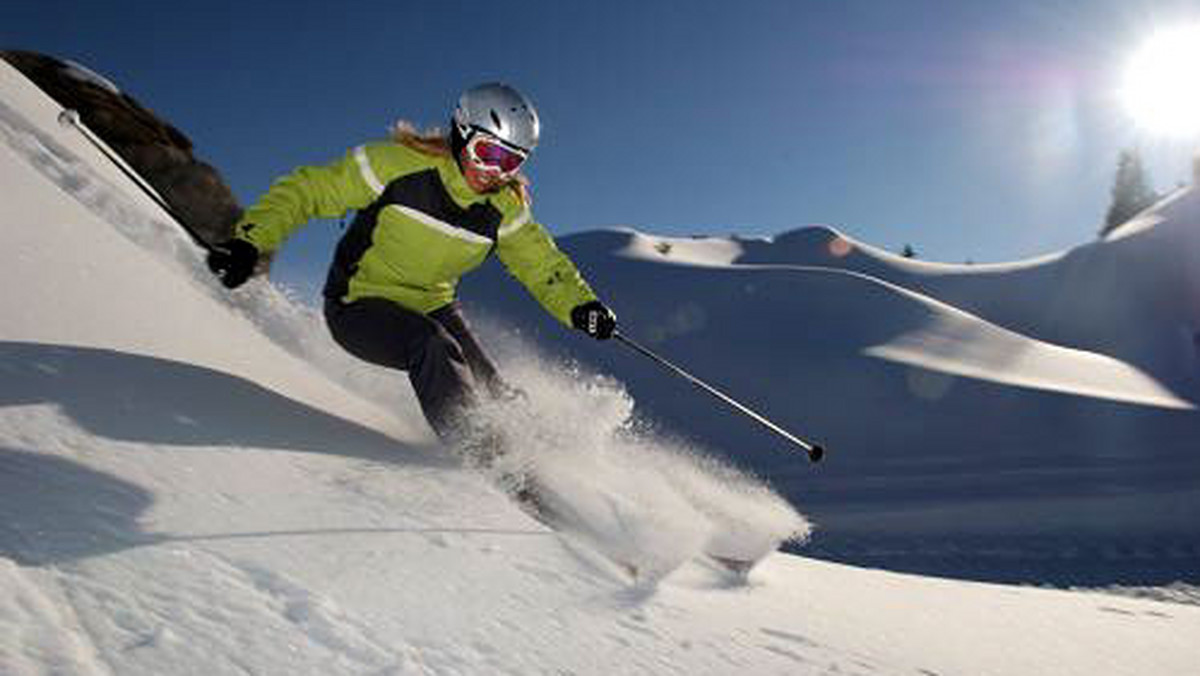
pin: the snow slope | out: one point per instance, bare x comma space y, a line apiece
959, 446
1134, 296
1032, 421
180, 494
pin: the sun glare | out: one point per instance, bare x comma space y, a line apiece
1161, 89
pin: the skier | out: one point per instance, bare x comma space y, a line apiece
430, 207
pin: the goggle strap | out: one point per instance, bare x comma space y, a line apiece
472, 130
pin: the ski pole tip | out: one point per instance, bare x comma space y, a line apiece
69, 117
816, 452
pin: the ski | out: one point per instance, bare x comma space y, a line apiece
533, 499
731, 557
738, 557
737, 567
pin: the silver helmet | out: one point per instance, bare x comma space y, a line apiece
499, 110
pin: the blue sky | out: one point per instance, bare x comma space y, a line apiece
973, 130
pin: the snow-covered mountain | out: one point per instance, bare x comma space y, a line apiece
190, 486
1029, 422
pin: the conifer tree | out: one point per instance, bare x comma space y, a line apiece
1130, 192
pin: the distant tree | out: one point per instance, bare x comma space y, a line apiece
1130, 192
909, 251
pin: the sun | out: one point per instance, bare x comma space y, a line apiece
1161, 87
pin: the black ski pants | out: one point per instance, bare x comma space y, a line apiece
443, 360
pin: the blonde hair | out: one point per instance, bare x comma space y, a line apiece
432, 141
435, 141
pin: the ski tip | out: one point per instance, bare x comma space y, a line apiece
736, 568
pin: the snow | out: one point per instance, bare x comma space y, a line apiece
193, 486
1028, 422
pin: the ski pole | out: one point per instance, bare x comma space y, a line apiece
70, 118
815, 451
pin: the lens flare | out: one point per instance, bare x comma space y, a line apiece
840, 247
1161, 87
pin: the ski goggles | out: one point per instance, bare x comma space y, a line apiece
490, 153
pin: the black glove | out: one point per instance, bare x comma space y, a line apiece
594, 319
233, 261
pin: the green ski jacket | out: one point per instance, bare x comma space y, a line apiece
419, 228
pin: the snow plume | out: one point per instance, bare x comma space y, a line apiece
630, 491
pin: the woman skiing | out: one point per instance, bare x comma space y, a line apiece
430, 208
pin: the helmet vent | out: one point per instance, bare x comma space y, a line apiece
496, 119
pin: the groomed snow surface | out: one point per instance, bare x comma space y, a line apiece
190, 485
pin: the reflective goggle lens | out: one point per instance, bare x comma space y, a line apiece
492, 154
